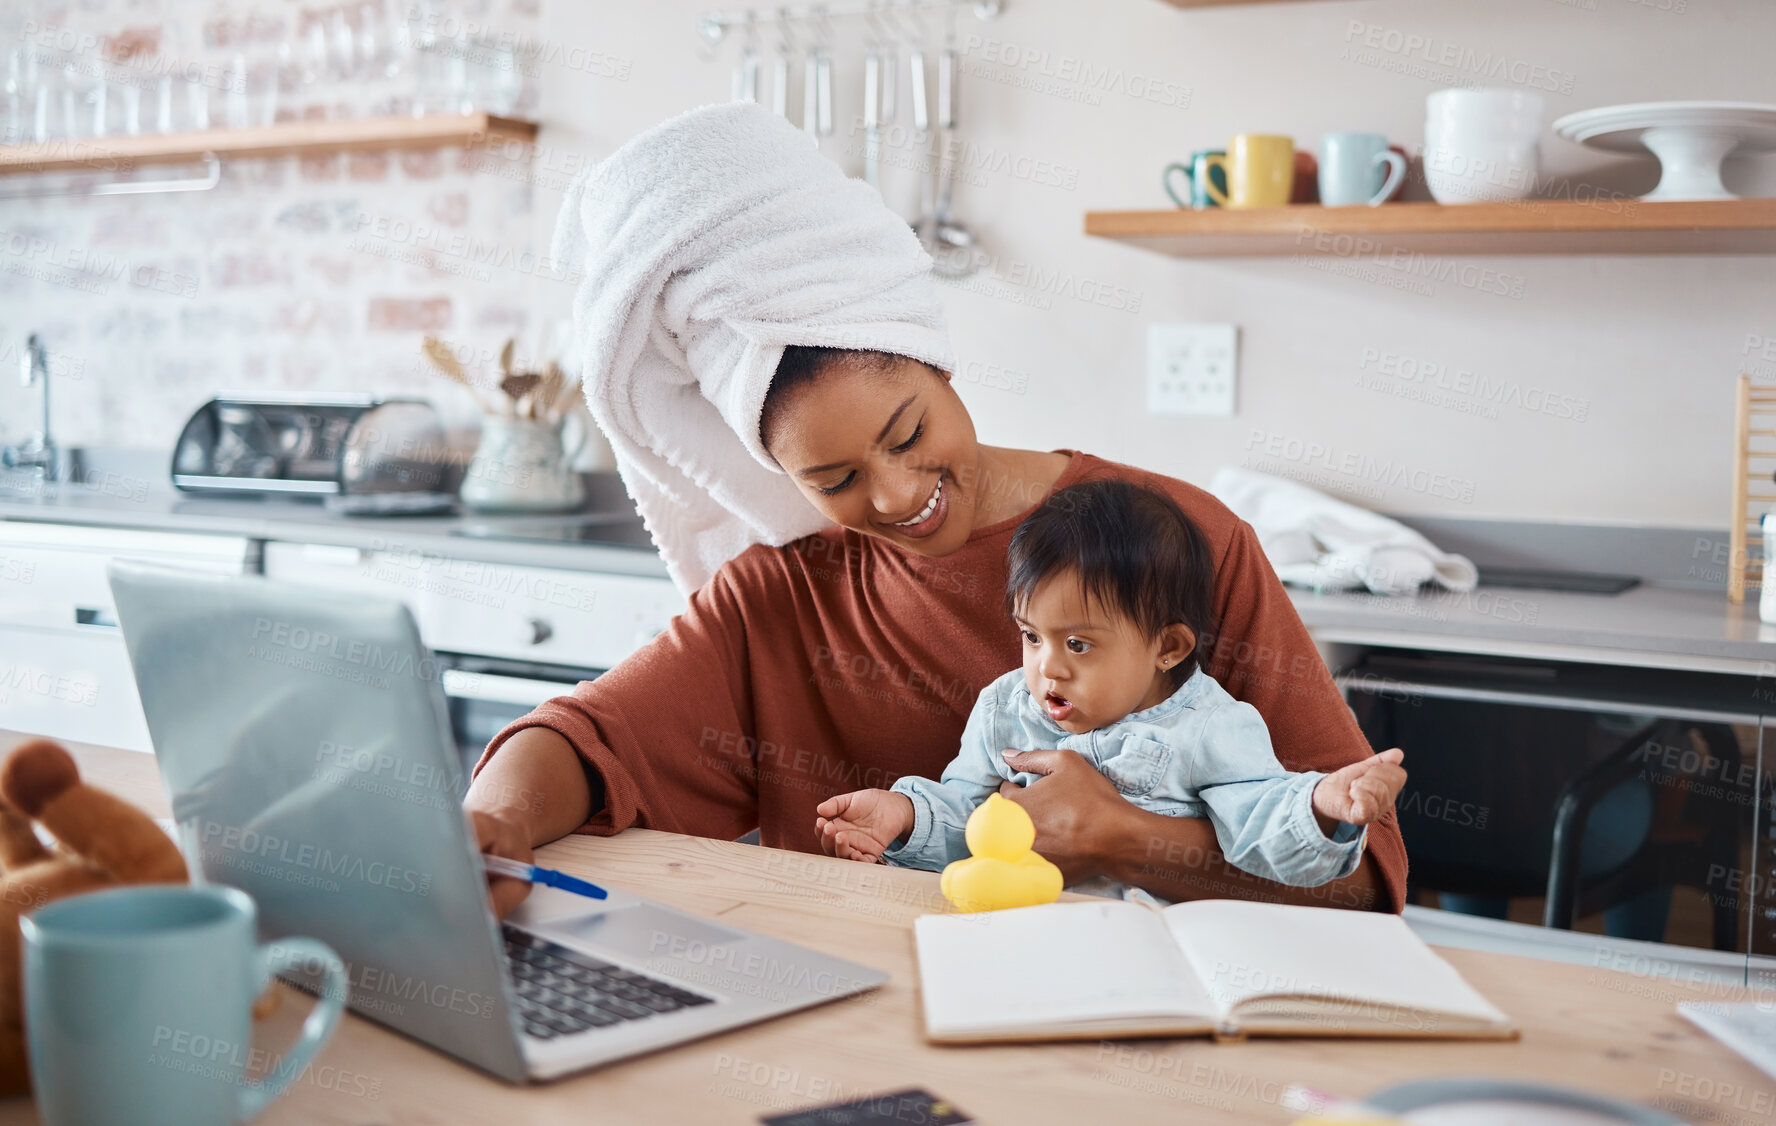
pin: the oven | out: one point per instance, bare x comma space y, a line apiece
486, 694
1636, 803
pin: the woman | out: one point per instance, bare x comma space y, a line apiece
764, 350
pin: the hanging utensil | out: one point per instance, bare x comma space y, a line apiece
926, 224
886, 98
780, 83
883, 32
811, 93
780, 66
872, 119
948, 231
951, 237
946, 88
746, 77
823, 38
916, 71
746, 73
826, 119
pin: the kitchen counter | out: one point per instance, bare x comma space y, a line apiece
1649, 626
1652, 625
121, 501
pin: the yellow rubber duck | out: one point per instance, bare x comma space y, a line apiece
1003, 871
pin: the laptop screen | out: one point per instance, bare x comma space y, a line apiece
305, 744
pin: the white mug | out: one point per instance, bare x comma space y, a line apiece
1482, 145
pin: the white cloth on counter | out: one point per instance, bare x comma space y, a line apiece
710, 243
1318, 541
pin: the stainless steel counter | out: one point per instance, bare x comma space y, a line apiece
1649, 626
121, 501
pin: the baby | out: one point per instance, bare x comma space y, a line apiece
1112, 587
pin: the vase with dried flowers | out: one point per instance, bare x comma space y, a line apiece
523, 462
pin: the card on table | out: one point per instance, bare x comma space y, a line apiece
911, 1107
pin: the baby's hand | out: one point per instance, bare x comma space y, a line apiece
863, 824
1362, 791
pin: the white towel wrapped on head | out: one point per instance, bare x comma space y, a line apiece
1315, 540
710, 243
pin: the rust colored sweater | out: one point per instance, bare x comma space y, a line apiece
840, 662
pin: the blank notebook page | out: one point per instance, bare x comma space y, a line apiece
1244, 950
1052, 965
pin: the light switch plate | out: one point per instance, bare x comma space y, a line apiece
1192, 369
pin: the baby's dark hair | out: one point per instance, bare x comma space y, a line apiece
1135, 552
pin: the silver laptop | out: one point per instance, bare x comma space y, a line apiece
304, 741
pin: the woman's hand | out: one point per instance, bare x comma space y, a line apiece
863, 824
1087, 828
500, 836
1071, 815
532, 792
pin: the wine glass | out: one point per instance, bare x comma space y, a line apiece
501, 79
18, 91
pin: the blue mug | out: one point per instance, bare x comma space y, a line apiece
1351, 169
138, 1006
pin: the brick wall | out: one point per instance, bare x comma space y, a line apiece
312, 274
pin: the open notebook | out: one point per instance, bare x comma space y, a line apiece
1217, 967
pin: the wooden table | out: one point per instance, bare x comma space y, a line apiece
1604, 1031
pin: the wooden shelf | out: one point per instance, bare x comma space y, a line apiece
1615, 226
110, 154
1216, 3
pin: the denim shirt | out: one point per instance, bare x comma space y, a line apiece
1198, 753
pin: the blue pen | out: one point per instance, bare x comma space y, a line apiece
536, 874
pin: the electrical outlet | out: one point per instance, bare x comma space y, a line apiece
1192, 369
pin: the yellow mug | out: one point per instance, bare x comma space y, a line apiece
1260, 171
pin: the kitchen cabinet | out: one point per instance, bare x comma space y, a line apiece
70, 684
64, 671
509, 635
575, 619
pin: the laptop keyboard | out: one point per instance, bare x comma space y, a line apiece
562, 991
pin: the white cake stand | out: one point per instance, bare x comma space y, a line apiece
1691, 139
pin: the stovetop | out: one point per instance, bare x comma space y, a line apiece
609, 531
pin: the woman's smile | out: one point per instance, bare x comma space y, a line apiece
930, 516
887, 450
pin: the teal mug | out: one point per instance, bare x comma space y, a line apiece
1351, 169
138, 1006
1197, 173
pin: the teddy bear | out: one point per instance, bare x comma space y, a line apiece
103, 841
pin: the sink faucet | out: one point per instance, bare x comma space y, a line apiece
38, 451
